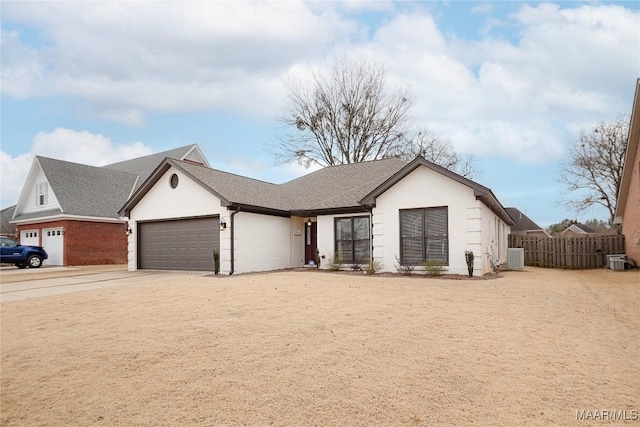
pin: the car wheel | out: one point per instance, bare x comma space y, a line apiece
34, 261
21, 265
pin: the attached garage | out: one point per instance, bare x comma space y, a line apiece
53, 243
30, 237
181, 244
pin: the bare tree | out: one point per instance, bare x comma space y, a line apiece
594, 167
344, 115
439, 151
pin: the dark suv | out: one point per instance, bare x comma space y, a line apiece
21, 256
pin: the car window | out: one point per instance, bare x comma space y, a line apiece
8, 242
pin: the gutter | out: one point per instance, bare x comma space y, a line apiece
231, 222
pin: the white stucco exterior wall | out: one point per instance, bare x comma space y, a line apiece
424, 188
262, 242
326, 236
188, 199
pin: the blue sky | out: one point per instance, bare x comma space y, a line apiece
511, 83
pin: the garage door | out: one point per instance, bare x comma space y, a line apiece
185, 244
29, 238
53, 242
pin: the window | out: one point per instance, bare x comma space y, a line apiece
424, 235
42, 193
174, 180
353, 239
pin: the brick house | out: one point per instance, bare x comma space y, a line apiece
628, 204
72, 209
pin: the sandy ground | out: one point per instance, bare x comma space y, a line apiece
327, 349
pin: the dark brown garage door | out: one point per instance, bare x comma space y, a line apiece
185, 244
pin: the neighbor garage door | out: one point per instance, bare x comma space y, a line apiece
185, 244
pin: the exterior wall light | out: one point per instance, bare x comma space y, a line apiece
128, 229
309, 222
223, 224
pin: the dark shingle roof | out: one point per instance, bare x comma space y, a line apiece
331, 189
236, 189
144, 166
5, 216
87, 190
340, 186
523, 222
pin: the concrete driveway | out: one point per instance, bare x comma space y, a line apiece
18, 284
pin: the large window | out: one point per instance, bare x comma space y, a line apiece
424, 235
353, 239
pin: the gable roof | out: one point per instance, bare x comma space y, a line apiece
522, 222
322, 190
87, 190
144, 166
333, 189
482, 193
579, 228
630, 161
99, 192
341, 186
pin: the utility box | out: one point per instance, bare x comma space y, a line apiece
617, 262
515, 258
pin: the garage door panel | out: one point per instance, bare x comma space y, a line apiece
185, 244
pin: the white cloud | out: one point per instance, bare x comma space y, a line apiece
521, 97
63, 144
166, 56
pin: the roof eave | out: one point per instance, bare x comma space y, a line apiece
155, 176
629, 158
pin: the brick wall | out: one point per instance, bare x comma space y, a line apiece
88, 243
631, 214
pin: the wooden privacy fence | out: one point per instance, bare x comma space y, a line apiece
568, 252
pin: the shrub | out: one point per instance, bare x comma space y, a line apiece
404, 268
374, 266
216, 261
334, 262
433, 267
468, 256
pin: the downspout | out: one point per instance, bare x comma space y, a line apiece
233, 214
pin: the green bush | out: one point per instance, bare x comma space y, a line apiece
334, 262
433, 267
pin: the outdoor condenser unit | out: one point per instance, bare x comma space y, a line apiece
515, 258
617, 262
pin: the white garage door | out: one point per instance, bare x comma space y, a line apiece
53, 243
29, 238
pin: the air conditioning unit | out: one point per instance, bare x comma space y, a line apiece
515, 259
617, 262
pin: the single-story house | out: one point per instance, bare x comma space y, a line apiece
525, 226
72, 209
577, 229
628, 203
388, 211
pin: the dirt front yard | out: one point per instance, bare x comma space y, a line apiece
326, 349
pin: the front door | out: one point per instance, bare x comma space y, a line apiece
310, 242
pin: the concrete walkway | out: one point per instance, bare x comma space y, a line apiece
17, 284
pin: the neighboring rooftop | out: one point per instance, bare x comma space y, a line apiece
144, 166
523, 222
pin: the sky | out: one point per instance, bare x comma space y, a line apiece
510, 83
